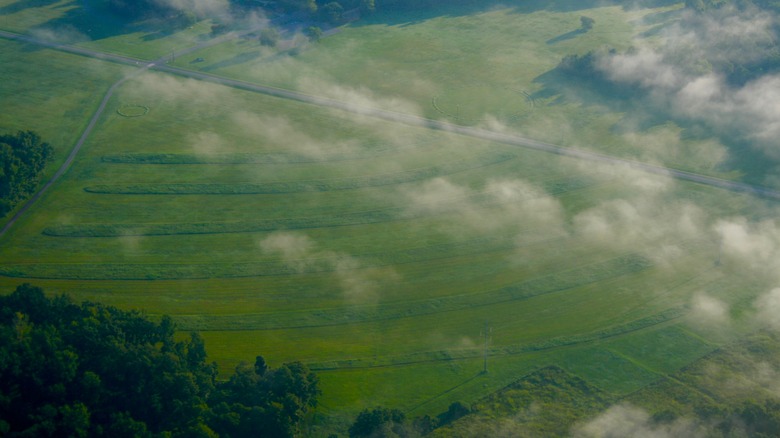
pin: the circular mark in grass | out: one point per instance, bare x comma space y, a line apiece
476, 103
132, 110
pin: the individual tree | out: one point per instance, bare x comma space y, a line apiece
455, 411
269, 37
265, 402
23, 157
586, 23
94, 370
260, 366
314, 33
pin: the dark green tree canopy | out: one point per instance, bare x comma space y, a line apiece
22, 159
379, 422
93, 370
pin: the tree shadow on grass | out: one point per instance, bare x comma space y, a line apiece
567, 36
236, 60
25, 4
160, 34
83, 21
91, 23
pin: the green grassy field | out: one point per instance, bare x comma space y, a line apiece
53, 94
374, 251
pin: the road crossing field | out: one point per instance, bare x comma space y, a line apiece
375, 251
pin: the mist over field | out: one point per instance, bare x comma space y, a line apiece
428, 205
689, 75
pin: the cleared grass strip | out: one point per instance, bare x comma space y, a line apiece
560, 281
182, 271
280, 187
471, 353
167, 229
554, 188
242, 158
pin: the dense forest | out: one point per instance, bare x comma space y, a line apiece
88, 369
328, 11
93, 370
22, 159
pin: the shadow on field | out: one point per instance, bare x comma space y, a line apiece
84, 21
236, 60
567, 36
25, 4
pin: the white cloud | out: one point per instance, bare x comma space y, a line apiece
645, 220
511, 205
753, 245
358, 98
625, 420
768, 309
646, 67
680, 78
359, 284
709, 312
284, 135
206, 143
294, 249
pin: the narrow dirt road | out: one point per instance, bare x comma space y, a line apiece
407, 119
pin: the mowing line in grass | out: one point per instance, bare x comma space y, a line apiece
371, 151
561, 281
510, 350
300, 223
301, 186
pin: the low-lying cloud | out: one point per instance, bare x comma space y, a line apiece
511, 205
682, 76
709, 313
625, 420
359, 284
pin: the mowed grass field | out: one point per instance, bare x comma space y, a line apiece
373, 251
51, 93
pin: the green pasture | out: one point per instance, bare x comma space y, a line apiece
20, 17
89, 25
477, 65
372, 251
51, 93
438, 54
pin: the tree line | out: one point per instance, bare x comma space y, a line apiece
703, 5
93, 370
22, 158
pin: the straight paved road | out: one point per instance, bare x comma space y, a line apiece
408, 119
510, 139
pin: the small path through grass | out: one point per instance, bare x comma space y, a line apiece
408, 119
102, 107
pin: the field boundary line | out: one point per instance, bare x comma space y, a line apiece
392, 116
648, 322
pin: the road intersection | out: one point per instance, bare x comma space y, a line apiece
392, 116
